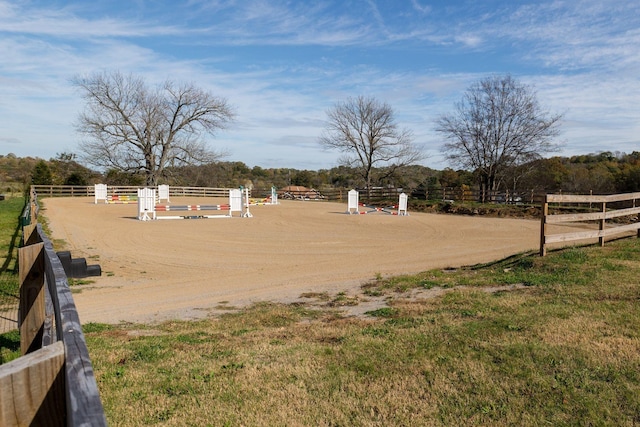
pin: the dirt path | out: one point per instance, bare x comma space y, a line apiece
185, 269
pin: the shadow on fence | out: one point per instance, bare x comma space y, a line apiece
53, 383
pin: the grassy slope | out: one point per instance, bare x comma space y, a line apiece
564, 349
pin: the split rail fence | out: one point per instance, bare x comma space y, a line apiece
602, 208
52, 383
114, 190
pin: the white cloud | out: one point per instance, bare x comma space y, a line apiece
586, 49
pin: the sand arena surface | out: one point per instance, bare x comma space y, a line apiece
186, 269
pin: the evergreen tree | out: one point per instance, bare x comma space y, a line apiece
41, 174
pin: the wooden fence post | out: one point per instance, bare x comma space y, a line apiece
602, 223
31, 315
543, 225
33, 389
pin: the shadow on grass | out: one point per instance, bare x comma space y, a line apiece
11, 250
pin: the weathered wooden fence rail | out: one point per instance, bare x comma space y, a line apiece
382, 193
621, 201
113, 190
53, 383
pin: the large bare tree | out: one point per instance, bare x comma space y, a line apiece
365, 131
497, 125
131, 127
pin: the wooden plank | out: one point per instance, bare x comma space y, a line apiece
622, 212
612, 231
592, 216
573, 217
84, 406
574, 198
29, 235
578, 198
602, 224
622, 197
31, 268
566, 237
33, 389
593, 234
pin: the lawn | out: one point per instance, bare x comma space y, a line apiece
10, 210
522, 341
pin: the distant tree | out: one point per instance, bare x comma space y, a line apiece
365, 130
133, 128
497, 125
116, 177
41, 174
449, 178
302, 178
67, 171
75, 178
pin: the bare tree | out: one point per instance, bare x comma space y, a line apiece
497, 125
365, 130
132, 128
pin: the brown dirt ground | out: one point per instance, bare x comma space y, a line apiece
187, 269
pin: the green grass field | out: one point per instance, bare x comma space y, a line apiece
10, 233
562, 348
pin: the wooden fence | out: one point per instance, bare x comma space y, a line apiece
448, 194
620, 206
53, 383
89, 191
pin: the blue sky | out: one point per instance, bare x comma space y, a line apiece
282, 64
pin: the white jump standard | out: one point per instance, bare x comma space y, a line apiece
353, 206
148, 209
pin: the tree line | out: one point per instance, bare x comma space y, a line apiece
600, 173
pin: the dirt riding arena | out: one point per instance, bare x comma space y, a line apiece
186, 269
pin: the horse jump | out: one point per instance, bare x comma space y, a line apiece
147, 207
353, 206
269, 200
101, 193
